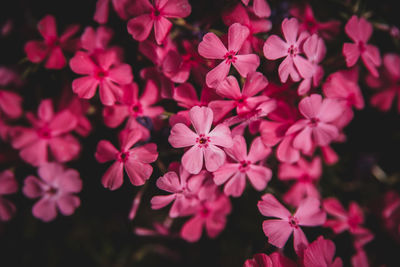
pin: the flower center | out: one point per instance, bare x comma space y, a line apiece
313, 122
202, 140
155, 13
51, 191
244, 165
100, 74
123, 156
361, 46
292, 51
53, 42
204, 212
230, 57
293, 222
44, 132
136, 109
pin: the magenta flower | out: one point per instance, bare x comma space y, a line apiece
351, 220
8, 185
294, 64
320, 253
10, 104
147, 15
389, 84
274, 260
136, 161
103, 71
309, 23
244, 165
211, 47
360, 30
315, 50
52, 47
211, 215
50, 137
317, 128
260, 8
244, 101
94, 41
255, 25
56, 187
279, 230
132, 106
306, 174
343, 85
204, 144
184, 189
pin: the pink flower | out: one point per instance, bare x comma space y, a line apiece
244, 101
94, 41
56, 187
315, 50
360, 30
343, 85
343, 220
294, 64
184, 189
211, 47
309, 23
211, 215
389, 84
155, 14
136, 161
320, 254
245, 165
203, 142
360, 259
317, 127
279, 230
8, 185
52, 47
103, 71
10, 104
255, 25
306, 174
132, 106
50, 133
260, 8
274, 260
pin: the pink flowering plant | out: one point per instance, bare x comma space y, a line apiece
255, 133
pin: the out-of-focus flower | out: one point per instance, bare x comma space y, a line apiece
51, 48
360, 30
56, 188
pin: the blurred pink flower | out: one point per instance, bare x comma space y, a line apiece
360, 30
8, 185
56, 188
347, 220
306, 174
211, 215
103, 71
52, 47
49, 138
320, 253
